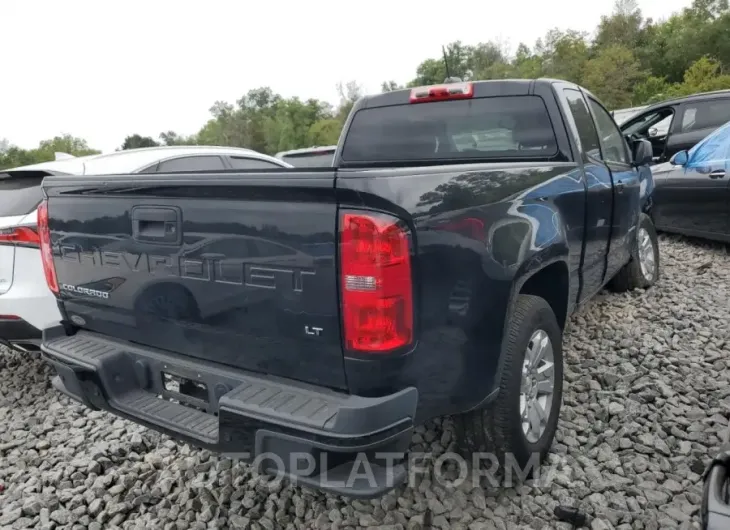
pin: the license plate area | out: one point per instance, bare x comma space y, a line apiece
185, 391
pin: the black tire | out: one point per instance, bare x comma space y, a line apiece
497, 429
630, 276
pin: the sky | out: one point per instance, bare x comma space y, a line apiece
105, 69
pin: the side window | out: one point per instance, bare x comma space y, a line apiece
583, 123
705, 114
612, 141
151, 169
240, 162
191, 163
688, 119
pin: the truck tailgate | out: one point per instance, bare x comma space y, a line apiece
240, 271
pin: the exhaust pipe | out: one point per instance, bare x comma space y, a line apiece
11, 346
27, 347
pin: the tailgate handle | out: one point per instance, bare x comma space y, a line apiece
157, 224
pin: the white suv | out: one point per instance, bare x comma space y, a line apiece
26, 303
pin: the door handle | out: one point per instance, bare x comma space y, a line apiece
718, 174
156, 224
620, 186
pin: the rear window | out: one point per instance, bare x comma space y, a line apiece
495, 127
20, 192
321, 159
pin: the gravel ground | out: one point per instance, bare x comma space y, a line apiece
647, 397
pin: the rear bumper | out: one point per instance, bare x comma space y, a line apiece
28, 295
312, 436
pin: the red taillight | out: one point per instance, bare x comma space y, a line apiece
44, 234
24, 235
442, 92
377, 291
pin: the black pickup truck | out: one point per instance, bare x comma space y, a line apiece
326, 312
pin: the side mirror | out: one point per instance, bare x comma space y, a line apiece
643, 152
679, 158
653, 132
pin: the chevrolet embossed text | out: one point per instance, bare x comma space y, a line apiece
219, 270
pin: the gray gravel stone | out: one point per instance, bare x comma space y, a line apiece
646, 399
10, 516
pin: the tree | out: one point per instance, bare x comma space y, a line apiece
526, 64
324, 132
389, 86
704, 75
487, 61
651, 90
172, 138
564, 54
349, 92
64, 144
623, 28
630, 61
14, 156
612, 74
136, 141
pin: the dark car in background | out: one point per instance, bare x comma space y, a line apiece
678, 124
691, 190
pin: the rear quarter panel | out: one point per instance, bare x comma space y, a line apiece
479, 232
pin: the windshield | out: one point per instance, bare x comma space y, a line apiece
496, 127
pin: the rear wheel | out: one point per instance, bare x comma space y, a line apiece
521, 423
642, 270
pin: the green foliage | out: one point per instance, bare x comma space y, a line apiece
704, 75
651, 90
612, 74
623, 28
629, 61
136, 141
564, 55
12, 156
389, 86
172, 138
